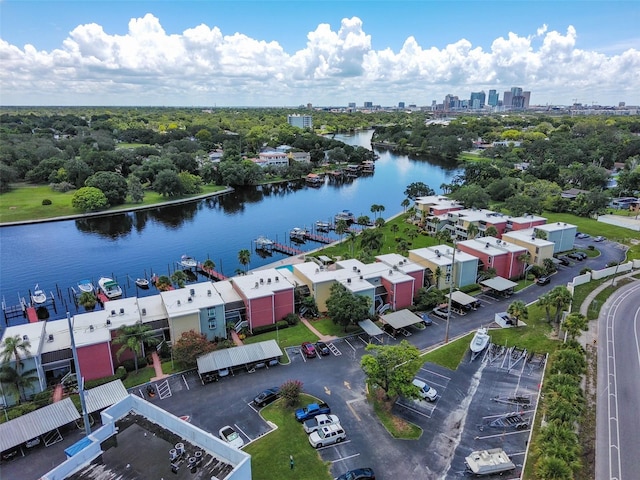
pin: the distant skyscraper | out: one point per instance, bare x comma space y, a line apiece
493, 98
506, 100
352, 104
400, 104
300, 121
368, 104
477, 100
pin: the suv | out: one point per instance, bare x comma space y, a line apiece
576, 256
308, 350
322, 348
543, 280
327, 435
426, 392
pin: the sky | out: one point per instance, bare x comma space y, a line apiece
325, 52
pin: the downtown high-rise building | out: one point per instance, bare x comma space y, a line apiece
477, 100
493, 98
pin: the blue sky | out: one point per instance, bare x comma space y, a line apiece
325, 52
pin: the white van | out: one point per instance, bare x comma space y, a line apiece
425, 391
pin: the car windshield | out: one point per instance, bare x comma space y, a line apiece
231, 435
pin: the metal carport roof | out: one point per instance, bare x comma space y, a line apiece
498, 283
370, 328
104, 396
36, 423
236, 356
401, 319
462, 298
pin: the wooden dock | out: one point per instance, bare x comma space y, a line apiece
318, 238
279, 247
210, 273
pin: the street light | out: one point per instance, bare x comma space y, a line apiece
451, 280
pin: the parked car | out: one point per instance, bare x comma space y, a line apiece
315, 423
583, 235
229, 435
308, 350
543, 280
575, 256
426, 319
358, 474
599, 238
267, 396
327, 435
442, 312
564, 260
425, 391
311, 410
582, 255
322, 348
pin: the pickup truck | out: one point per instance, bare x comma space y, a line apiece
311, 410
320, 421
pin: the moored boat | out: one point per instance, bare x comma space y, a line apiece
323, 226
264, 243
39, 296
480, 340
85, 286
298, 234
109, 287
142, 283
345, 215
187, 261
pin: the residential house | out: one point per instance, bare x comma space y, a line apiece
439, 260
492, 252
460, 220
561, 234
539, 248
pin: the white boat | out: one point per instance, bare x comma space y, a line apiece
298, 234
489, 462
187, 261
85, 286
345, 215
480, 340
263, 243
323, 226
142, 283
109, 287
39, 296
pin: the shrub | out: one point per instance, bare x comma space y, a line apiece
42, 399
290, 391
130, 364
121, 374
46, 201
270, 328
585, 270
591, 247
62, 187
292, 319
20, 410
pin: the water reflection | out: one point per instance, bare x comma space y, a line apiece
112, 227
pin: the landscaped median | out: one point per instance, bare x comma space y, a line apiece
270, 455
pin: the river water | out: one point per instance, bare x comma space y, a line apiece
56, 255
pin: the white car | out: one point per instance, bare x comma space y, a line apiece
327, 435
425, 391
229, 435
318, 421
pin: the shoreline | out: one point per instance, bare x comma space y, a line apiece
116, 212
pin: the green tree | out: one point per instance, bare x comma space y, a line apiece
553, 468
87, 300
363, 220
113, 185
191, 184
518, 310
244, 257
7, 176
392, 368
163, 283
560, 299
14, 348
290, 391
491, 231
471, 196
168, 184
189, 347
134, 337
472, 231
341, 228
428, 298
418, 189
17, 380
379, 223
575, 324
352, 236
209, 264
179, 278
525, 259
405, 204
371, 240
89, 199
346, 308
546, 301
134, 189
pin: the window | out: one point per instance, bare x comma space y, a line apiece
211, 312
490, 260
537, 249
212, 324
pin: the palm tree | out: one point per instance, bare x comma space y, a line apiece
16, 380
352, 236
472, 231
379, 222
405, 203
133, 337
491, 231
87, 300
371, 240
525, 258
443, 235
179, 278
244, 257
411, 233
546, 301
209, 264
374, 209
363, 220
574, 324
13, 348
518, 310
561, 299
438, 275
394, 228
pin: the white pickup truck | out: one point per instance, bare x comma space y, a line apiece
320, 421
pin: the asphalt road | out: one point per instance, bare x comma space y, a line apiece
618, 422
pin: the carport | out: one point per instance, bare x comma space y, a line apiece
45, 420
401, 319
104, 396
461, 302
371, 329
251, 356
499, 286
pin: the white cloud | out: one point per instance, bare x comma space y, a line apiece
202, 66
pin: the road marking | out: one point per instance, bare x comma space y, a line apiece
353, 410
302, 355
185, 382
414, 410
327, 390
435, 373
333, 445
504, 434
345, 458
242, 431
252, 407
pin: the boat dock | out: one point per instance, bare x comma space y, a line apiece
210, 272
318, 238
279, 247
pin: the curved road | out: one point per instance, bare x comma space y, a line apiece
618, 422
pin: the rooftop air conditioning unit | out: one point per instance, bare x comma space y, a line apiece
50, 339
178, 302
268, 280
113, 313
498, 241
25, 337
348, 280
189, 299
487, 245
262, 280
361, 277
277, 279
208, 293
390, 272
256, 286
144, 311
122, 311
192, 292
108, 322
91, 328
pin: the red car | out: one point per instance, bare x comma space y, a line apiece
308, 350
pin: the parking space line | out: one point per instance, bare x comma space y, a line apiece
334, 445
303, 359
415, 411
185, 382
345, 458
250, 404
503, 434
353, 410
434, 383
348, 343
435, 373
241, 431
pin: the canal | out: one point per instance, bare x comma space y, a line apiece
56, 255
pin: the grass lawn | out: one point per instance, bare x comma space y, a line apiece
326, 326
24, 202
450, 355
270, 454
286, 337
593, 227
396, 426
144, 375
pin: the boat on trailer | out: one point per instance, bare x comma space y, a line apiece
489, 462
480, 340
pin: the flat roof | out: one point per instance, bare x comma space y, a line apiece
401, 318
262, 283
492, 246
403, 263
476, 215
556, 226
462, 298
527, 235
191, 299
442, 255
33, 331
498, 283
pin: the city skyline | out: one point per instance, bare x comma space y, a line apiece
287, 53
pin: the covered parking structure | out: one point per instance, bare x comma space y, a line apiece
103, 396
499, 286
42, 422
462, 303
401, 319
371, 329
222, 362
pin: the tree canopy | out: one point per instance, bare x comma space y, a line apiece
392, 368
346, 308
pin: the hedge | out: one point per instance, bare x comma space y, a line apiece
270, 328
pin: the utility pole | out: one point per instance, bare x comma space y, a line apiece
451, 281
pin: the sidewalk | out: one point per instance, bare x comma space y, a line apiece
157, 366
324, 338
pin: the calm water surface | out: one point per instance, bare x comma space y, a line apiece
56, 255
